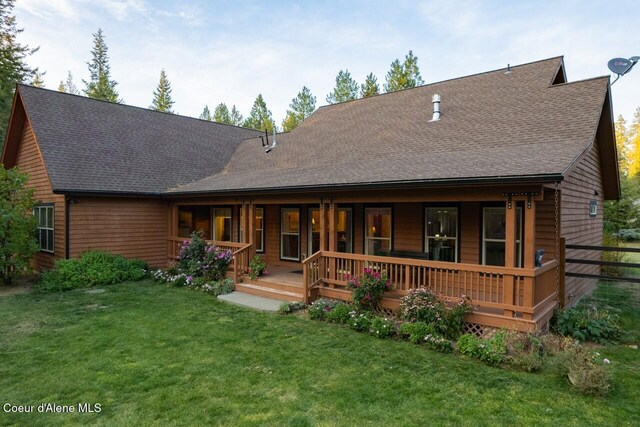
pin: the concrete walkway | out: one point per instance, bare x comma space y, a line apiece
251, 301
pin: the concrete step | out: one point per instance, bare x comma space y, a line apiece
268, 292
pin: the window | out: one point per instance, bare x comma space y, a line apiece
45, 219
494, 236
378, 231
290, 234
593, 208
441, 239
194, 218
259, 226
344, 229
222, 224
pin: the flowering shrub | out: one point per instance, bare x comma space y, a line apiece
197, 259
339, 313
212, 287
360, 322
257, 267
416, 331
438, 343
289, 307
368, 289
382, 327
585, 370
320, 307
422, 305
492, 351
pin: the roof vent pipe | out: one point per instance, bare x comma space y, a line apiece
436, 107
273, 144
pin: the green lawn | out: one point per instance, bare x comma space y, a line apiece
164, 356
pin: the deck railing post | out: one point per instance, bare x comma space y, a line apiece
509, 255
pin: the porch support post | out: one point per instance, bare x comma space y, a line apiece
509, 253
251, 228
323, 226
529, 248
333, 246
245, 223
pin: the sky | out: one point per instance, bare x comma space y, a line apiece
231, 51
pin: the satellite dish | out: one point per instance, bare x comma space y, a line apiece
620, 66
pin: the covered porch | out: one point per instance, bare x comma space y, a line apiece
480, 243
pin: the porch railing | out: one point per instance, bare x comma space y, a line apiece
513, 290
241, 258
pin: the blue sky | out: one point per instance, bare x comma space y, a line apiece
229, 51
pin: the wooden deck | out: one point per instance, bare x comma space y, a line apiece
280, 283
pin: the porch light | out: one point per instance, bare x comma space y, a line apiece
313, 221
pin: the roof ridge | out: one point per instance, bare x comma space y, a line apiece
444, 81
581, 81
131, 106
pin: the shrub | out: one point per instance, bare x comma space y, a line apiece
360, 322
585, 370
257, 267
524, 352
612, 256
290, 307
197, 259
492, 351
382, 327
587, 324
339, 313
422, 305
17, 224
94, 268
416, 332
320, 307
367, 290
438, 343
629, 234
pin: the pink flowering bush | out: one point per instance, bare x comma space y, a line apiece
367, 289
423, 305
198, 259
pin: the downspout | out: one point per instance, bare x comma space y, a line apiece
67, 211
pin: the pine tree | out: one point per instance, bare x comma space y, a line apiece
13, 65
100, 85
633, 144
301, 107
260, 116
405, 75
236, 117
622, 144
206, 114
370, 87
345, 89
69, 86
221, 114
162, 100
37, 80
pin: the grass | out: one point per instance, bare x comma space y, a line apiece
154, 355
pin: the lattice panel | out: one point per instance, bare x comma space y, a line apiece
474, 328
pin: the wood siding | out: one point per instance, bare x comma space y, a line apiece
30, 161
582, 184
132, 227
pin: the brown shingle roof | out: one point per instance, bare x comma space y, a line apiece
494, 124
96, 146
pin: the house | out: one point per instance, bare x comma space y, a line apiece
518, 160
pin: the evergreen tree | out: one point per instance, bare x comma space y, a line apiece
100, 85
69, 86
633, 145
405, 75
221, 114
345, 89
162, 100
370, 87
260, 117
236, 117
301, 107
37, 80
13, 66
622, 144
206, 114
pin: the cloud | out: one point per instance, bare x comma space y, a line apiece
50, 9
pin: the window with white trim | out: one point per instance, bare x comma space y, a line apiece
45, 219
377, 239
494, 236
222, 225
259, 227
441, 233
290, 234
